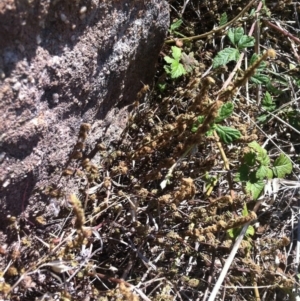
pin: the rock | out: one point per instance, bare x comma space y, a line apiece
61, 65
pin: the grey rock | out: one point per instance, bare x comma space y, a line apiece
83, 62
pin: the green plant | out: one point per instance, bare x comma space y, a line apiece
234, 232
174, 67
174, 26
267, 105
256, 167
240, 41
227, 134
258, 77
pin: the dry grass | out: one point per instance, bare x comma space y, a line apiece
126, 238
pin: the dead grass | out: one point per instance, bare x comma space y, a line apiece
126, 238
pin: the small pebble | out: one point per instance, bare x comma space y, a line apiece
82, 10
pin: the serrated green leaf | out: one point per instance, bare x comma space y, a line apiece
243, 173
255, 189
176, 52
263, 172
227, 134
262, 155
263, 158
168, 59
260, 79
245, 41
267, 99
176, 25
250, 158
225, 111
267, 103
224, 56
282, 166
177, 69
223, 19
235, 34
255, 146
245, 210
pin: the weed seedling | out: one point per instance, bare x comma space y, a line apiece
174, 67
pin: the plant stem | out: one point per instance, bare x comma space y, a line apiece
204, 35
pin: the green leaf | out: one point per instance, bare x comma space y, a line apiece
260, 79
176, 25
273, 89
282, 166
263, 172
227, 134
235, 34
194, 128
177, 69
234, 232
245, 41
200, 119
270, 173
168, 59
245, 210
167, 69
225, 111
255, 189
242, 174
267, 103
210, 132
250, 231
223, 19
224, 56
263, 158
176, 52
250, 158
255, 146
162, 87
252, 12
262, 155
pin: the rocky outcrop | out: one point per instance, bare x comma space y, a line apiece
62, 63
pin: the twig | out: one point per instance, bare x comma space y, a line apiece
229, 260
204, 35
184, 6
282, 31
226, 164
